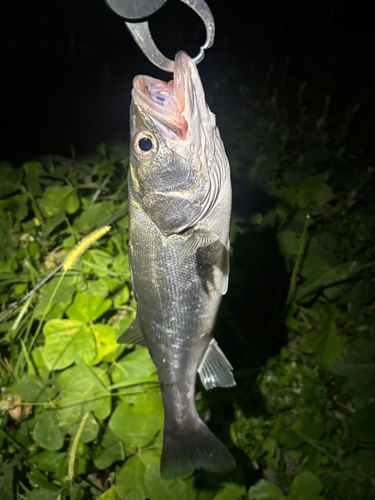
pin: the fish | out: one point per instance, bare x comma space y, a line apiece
179, 219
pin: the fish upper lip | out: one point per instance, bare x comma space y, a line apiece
165, 101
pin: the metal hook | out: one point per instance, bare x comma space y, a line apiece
141, 34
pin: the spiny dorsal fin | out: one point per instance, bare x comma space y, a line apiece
133, 334
215, 370
200, 238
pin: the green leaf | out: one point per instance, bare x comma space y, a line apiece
9, 242
109, 494
264, 490
122, 297
10, 179
96, 215
137, 422
88, 309
33, 185
7, 480
42, 494
34, 250
99, 260
332, 283
57, 198
33, 388
90, 373
37, 358
130, 483
289, 242
48, 460
41, 480
305, 486
63, 335
204, 494
123, 222
231, 491
287, 195
47, 431
313, 268
20, 289
72, 203
53, 222
96, 287
324, 348
80, 395
34, 168
288, 435
105, 341
140, 479
136, 365
362, 292
313, 428
358, 366
164, 489
335, 275
314, 189
62, 299
17, 205
90, 430
112, 451
325, 246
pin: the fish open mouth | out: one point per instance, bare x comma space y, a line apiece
165, 101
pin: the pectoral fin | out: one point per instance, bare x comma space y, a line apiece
199, 238
215, 370
133, 334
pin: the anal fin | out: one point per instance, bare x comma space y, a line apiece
215, 370
133, 335
200, 238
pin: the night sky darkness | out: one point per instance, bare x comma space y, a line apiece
67, 65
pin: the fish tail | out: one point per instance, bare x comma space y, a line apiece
195, 447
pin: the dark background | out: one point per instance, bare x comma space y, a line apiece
67, 65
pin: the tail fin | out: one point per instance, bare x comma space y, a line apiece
198, 448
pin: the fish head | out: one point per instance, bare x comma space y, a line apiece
175, 145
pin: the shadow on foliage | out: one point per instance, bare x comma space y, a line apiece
250, 327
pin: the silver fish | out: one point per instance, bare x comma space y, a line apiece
179, 217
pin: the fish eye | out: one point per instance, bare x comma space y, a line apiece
145, 145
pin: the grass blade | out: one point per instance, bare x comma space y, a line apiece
73, 453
